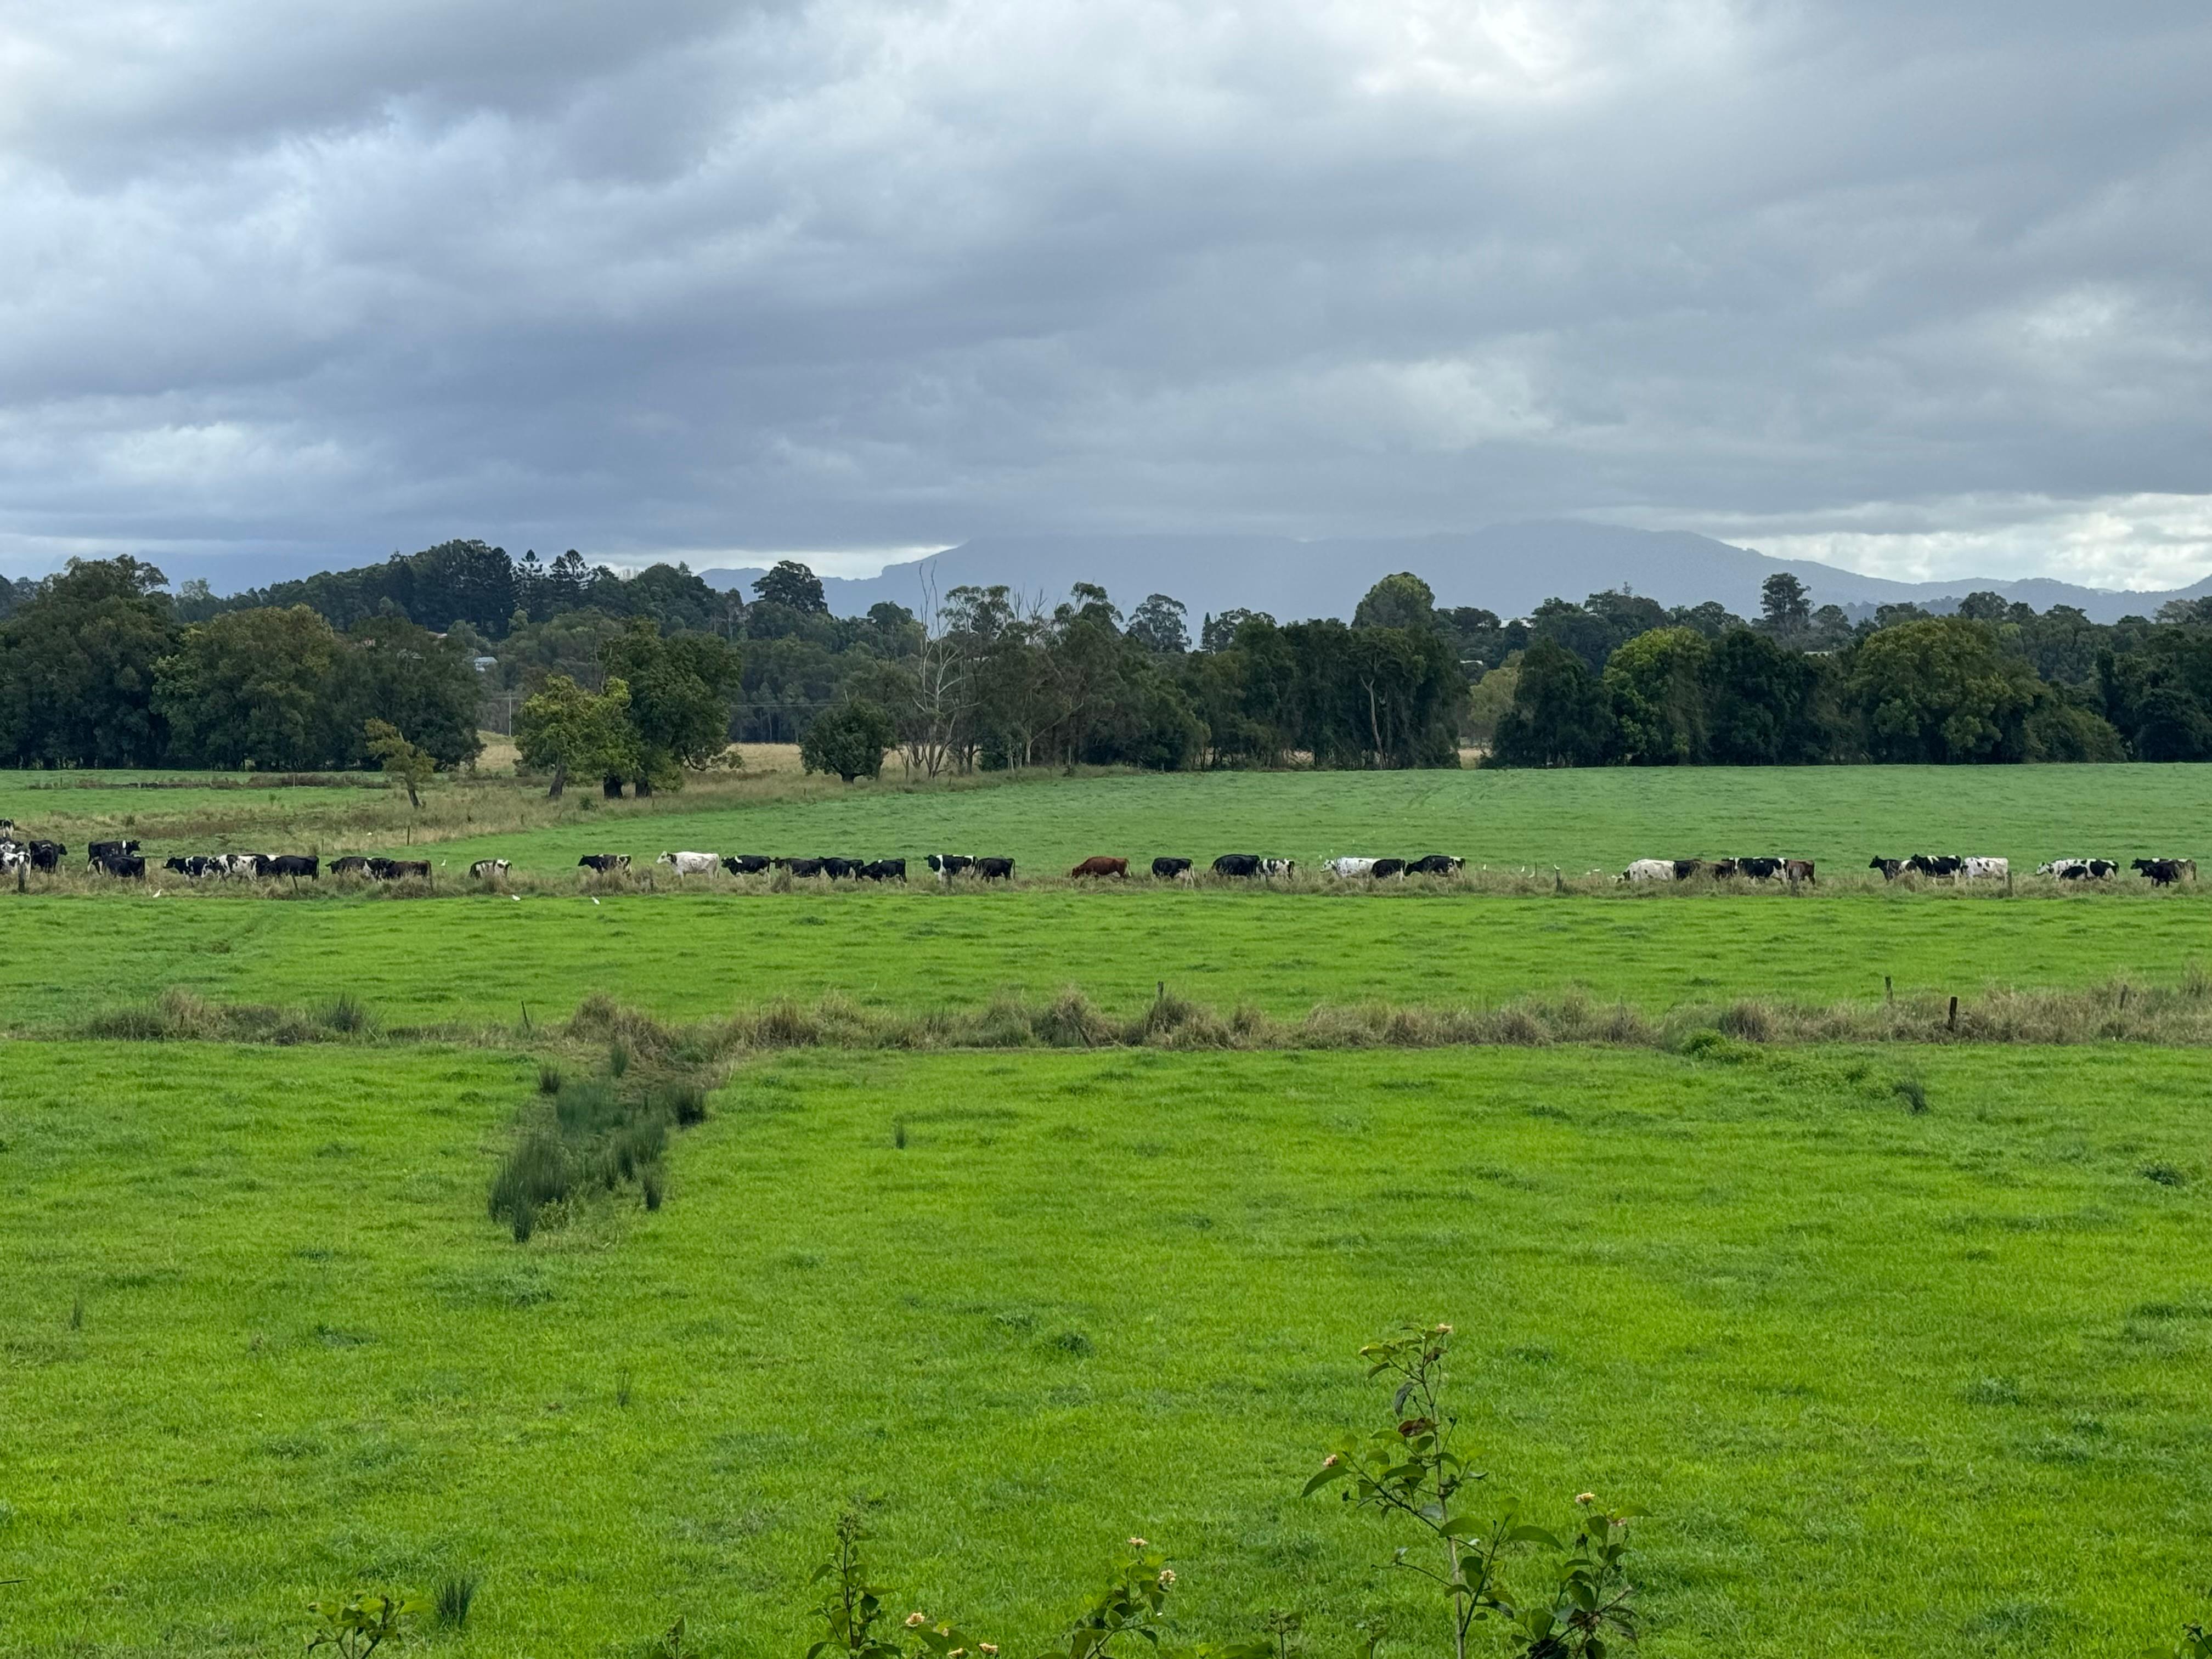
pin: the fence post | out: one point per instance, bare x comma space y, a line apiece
1951, 1024
1888, 991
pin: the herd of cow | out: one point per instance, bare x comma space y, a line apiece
2160, 872
123, 858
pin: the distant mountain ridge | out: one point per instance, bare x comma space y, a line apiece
1510, 569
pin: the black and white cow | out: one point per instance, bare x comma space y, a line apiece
946, 865
2164, 873
745, 864
487, 869
1171, 869
2079, 869
106, 849
1435, 864
605, 864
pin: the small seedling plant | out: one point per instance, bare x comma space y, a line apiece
356, 1628
1411, 1470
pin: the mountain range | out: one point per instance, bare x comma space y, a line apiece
1510, 569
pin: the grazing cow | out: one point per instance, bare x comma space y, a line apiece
1171, 869
995, 869
47, 855
1101, 866
1649, 870
1936, 864
1685, 868
300, 864
692, 864
397, 869
1385, 868
353, 864
121, 864
841, 869
106, 849
485, 869
745, 864
604, 863
882, 870
193, 868
1986, 869
1273, 868
949, 865
1346, 869
1891, 868
1435, 864
1796, 870
2164, 873
802, 867
1758, 869
1238, 864
2079, 869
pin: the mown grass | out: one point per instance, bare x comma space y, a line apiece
1892, 1382
481, 959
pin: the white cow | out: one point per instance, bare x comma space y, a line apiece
1986, 869
1649, 870
1348, 868
692, 864
483, 869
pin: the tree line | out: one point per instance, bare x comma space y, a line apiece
633, 679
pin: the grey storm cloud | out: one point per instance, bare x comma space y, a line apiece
1895, 284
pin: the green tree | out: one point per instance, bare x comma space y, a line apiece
849, 740
1561, 715
792, 585
254, 688
399, 758
390, 670
1400, 601
1158, 625
1762, 703
1657, 682
1941, 692
680, 689
565, 728
77, 666
1785, 610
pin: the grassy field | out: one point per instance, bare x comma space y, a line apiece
1577, 821
478, 959
1891, 1384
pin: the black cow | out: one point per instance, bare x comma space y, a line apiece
1435, 864
1165, 869
745, 864
801, 867
1685, 868
949, 865
1936, 864
1891, 868
882, 870
1758, 869
995, 869
1385, 868
2164, 873
106, 849
839, 869
387, 869
293, 865
47, 855
606, 863
1238, 864
353, 864
121, 864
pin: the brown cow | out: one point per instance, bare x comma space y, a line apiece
1102, 867
1798, 869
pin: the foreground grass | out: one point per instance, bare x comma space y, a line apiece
480, 959
1893, 1383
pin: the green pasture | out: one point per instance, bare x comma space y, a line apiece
1890, 1384
1574, 820
478, 959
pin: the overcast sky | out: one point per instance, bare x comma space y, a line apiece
1921, 289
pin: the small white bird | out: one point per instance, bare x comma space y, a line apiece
517, 897
595, 901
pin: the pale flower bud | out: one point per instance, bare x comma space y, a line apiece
915, 1619
1586, 1498
1167, 1577
1139, 1544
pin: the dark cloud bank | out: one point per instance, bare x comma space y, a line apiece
1920, 290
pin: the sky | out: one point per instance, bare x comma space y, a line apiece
1919, 290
